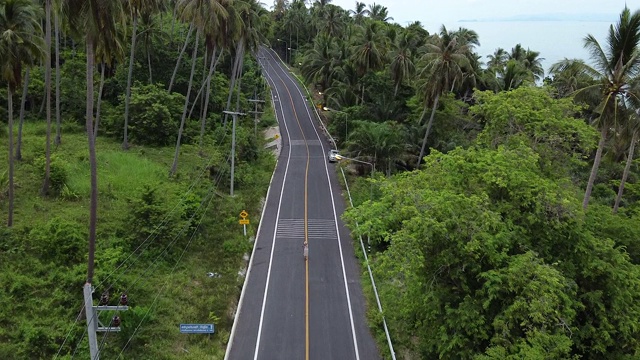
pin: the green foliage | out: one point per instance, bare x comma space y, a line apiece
531, 116
58, 172
488, 257
60, 241
154, 116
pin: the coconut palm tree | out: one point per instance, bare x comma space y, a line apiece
444, 62
631, 130
570, 75
616, 68
359, 13
379, 13
402, 66
20, 45
201, 14
369, 51
318, 64
137, 8
47, 85
96, 21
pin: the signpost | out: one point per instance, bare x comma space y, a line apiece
244, 221
197, 328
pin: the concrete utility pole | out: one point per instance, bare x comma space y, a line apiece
255, 112
93, 323
234, 114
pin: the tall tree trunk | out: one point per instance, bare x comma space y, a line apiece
203, 117
149, 66
426, 133
93, 168
239, 81
25, 88
99, 104
625, 174
174, 166
127, 98
204, 85
173, 23
594, 168
47, 84
10, 126
175, 70
232, 83
58, 138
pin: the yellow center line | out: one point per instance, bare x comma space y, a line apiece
306, 234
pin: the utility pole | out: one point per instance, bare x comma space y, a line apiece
255, 112
93, 322
234, 114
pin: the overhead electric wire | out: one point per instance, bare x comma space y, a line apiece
70, 330
168, 278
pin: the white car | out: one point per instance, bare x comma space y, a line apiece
333, 155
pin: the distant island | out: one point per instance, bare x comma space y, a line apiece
550, 17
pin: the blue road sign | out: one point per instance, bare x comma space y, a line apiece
196, 328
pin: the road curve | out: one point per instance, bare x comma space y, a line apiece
291, 308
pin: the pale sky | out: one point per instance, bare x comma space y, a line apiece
433, 13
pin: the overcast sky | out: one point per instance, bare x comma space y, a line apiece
433, 13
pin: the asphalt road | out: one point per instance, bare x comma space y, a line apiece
291, 308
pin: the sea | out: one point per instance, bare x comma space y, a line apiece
554, 40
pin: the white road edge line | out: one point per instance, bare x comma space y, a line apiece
255, 243
335, 217
273, 242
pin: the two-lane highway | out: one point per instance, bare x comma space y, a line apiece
292, 308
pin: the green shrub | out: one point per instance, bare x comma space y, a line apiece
154, 116
59, 241
58, 173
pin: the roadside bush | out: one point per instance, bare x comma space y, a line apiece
154, 116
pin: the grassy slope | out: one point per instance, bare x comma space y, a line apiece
41, 298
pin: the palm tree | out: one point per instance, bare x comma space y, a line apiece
359, 13
20, 44
318, 64
498, 59
379, 13
96, 21
47, 84
630, 130
530, 60
369, 51
402, 66
616, 68
137, 8
56, 31
570, 75
445, 60
201, 14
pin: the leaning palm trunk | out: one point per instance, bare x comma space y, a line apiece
174, 166
127, 98
426, 133
56, 25
232, 84
149, 65
10, 125
204, 84
47, 84
625, 174
99, 103
93, 168
25, 88
203, 116
594, 168
175, 70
